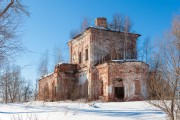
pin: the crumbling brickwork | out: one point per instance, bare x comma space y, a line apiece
129, 76
59, 85
46, 87
102, 65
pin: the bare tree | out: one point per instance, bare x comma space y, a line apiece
58, 57
127, 26
157, 86
117, 22
146, 50
36, 90
120, 23
168, 71
43, 64
27, 91
11, 14
4, 82
73, 33
13, 87
84, 24
14, 5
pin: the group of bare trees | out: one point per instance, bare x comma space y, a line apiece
146, 50
43, 67
13, 87
164, 76
43, 64
119, 23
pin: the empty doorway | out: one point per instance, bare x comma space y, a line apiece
119, 92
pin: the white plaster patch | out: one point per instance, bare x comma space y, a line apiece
110, 89
82, 78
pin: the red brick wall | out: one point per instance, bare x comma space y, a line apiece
46, 92
59, 85
107, 45
102, 80
101, 22
79, 45
130, 75
133, 75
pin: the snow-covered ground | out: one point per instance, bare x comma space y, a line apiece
80, 111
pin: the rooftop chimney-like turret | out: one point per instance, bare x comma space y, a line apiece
101, 22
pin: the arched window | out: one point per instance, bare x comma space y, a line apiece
46, 92
53, 91
118, 79
80, 57
137, 87
102, 87
86, 54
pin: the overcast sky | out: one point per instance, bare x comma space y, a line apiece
51, 21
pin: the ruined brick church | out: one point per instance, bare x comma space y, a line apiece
103, 65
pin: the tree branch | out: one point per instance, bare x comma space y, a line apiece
7, 7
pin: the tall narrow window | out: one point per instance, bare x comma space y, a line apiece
55, 92
86, 54
80, 57
46, 92
137, 87
102, 91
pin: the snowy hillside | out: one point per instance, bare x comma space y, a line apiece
80, 111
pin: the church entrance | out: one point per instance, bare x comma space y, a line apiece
119, 93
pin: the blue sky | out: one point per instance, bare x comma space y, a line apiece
51, 21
